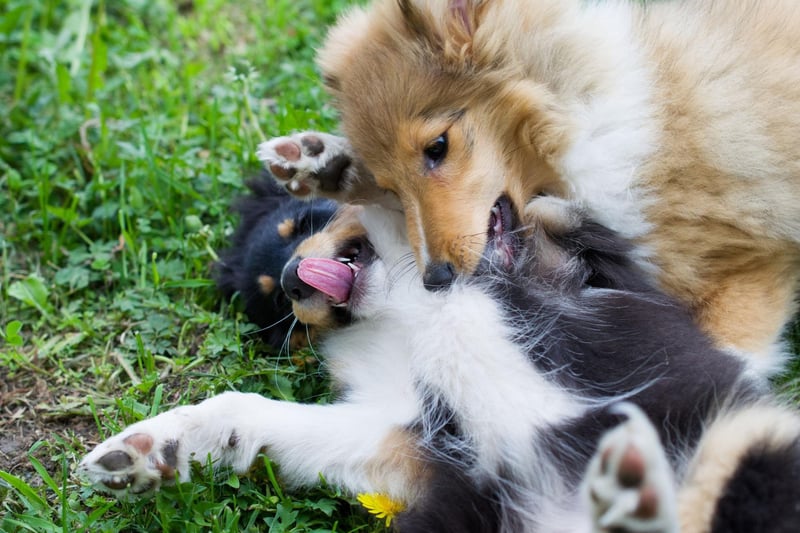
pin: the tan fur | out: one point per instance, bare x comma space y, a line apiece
266, 284
286, 228
399, 464
549, 216
717, 186
301, 339
316, 310
721, 451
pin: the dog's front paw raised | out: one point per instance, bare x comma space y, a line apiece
310, 164
630, 483
139, 460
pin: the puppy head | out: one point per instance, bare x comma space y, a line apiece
272, 224
445, 116
341, 274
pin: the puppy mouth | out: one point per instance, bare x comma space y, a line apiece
500, 235
338, 278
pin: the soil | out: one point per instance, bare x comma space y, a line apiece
27, 416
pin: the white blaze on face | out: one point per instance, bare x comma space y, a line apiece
423, 255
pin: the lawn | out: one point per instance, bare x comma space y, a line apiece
126, 129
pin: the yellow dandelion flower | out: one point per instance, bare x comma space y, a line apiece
381, 506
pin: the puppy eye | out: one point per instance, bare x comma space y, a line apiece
436, 151
301, 223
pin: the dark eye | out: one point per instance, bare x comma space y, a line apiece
436, 151
307, 222
302, 223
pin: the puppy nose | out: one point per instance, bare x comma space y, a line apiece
438, 276
293, 286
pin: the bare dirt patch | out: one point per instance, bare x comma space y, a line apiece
27, 416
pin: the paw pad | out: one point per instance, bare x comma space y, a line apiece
629, 481
132, 464
312, 145
288, 150
307, 163
116, 460
631, 468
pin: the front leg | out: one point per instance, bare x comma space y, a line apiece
348, 443
313, 164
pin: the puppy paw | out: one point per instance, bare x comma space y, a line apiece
309, 164
139, 460
629, 483
555, 215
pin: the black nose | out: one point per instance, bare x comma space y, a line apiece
294, 287
438, 276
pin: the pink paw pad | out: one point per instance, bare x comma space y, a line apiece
289, 151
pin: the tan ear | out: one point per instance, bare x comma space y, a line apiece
419, 22
463, 18
449, 32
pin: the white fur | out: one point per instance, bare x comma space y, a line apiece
762, 366
307, 165
458, 343
616, 128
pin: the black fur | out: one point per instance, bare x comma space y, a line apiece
597, 327
257, 249
452, 500
763, 495
608, 332
452, 503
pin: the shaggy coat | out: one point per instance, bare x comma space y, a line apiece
675, 123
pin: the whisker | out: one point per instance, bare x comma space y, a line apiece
265, 328
286, 345
404, 266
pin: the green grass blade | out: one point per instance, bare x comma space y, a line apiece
31, 498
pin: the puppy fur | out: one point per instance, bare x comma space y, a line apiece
481, 407
674, 123
272, 224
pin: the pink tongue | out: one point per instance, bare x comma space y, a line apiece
327, 276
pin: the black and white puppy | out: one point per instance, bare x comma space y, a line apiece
271, 225
557, 391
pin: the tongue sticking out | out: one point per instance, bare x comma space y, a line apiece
328, 276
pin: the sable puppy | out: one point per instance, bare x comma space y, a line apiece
272, 223
674, 123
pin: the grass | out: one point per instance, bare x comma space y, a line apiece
126, 128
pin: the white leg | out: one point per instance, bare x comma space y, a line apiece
340, 441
